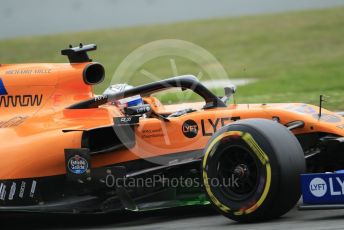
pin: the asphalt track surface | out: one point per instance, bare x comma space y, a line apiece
184, 218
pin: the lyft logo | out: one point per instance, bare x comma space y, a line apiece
319, 187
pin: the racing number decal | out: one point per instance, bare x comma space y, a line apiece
261, 156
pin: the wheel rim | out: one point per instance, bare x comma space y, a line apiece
237, 173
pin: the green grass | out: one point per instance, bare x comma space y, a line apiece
296, 56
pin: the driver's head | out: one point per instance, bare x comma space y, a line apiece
116, 89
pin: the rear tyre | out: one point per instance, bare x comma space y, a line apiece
251, 170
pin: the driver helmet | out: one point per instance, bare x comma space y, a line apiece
114, 89
125, 102
130, 101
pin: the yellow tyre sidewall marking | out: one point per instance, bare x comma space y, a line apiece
265, 161
221, 206
262, 156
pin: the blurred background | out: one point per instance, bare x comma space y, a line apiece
276, 50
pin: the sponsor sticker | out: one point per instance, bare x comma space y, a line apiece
152, 133
318, 187
28, 71
190, 128
210, 126
323, 188
77, 164
13, 122
3, 191
22, 189
20, 100
132, 120
33, 188
12, 191
15, 190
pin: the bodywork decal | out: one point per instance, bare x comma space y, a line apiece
3, 90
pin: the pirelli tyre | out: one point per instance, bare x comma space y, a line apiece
251, 170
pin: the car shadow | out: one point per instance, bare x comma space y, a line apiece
123, 219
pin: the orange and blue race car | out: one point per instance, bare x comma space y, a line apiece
64, 149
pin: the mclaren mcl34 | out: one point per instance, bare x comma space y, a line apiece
66, 150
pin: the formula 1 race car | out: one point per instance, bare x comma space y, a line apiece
65, 150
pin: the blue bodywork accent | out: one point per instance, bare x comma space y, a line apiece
323, 188
3, 90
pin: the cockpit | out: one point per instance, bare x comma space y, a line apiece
145, 103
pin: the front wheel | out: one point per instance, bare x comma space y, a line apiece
251, 170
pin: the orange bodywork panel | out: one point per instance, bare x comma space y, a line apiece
36, 127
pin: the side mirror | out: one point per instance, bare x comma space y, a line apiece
229, 91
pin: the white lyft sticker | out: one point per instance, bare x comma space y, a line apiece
318, 187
